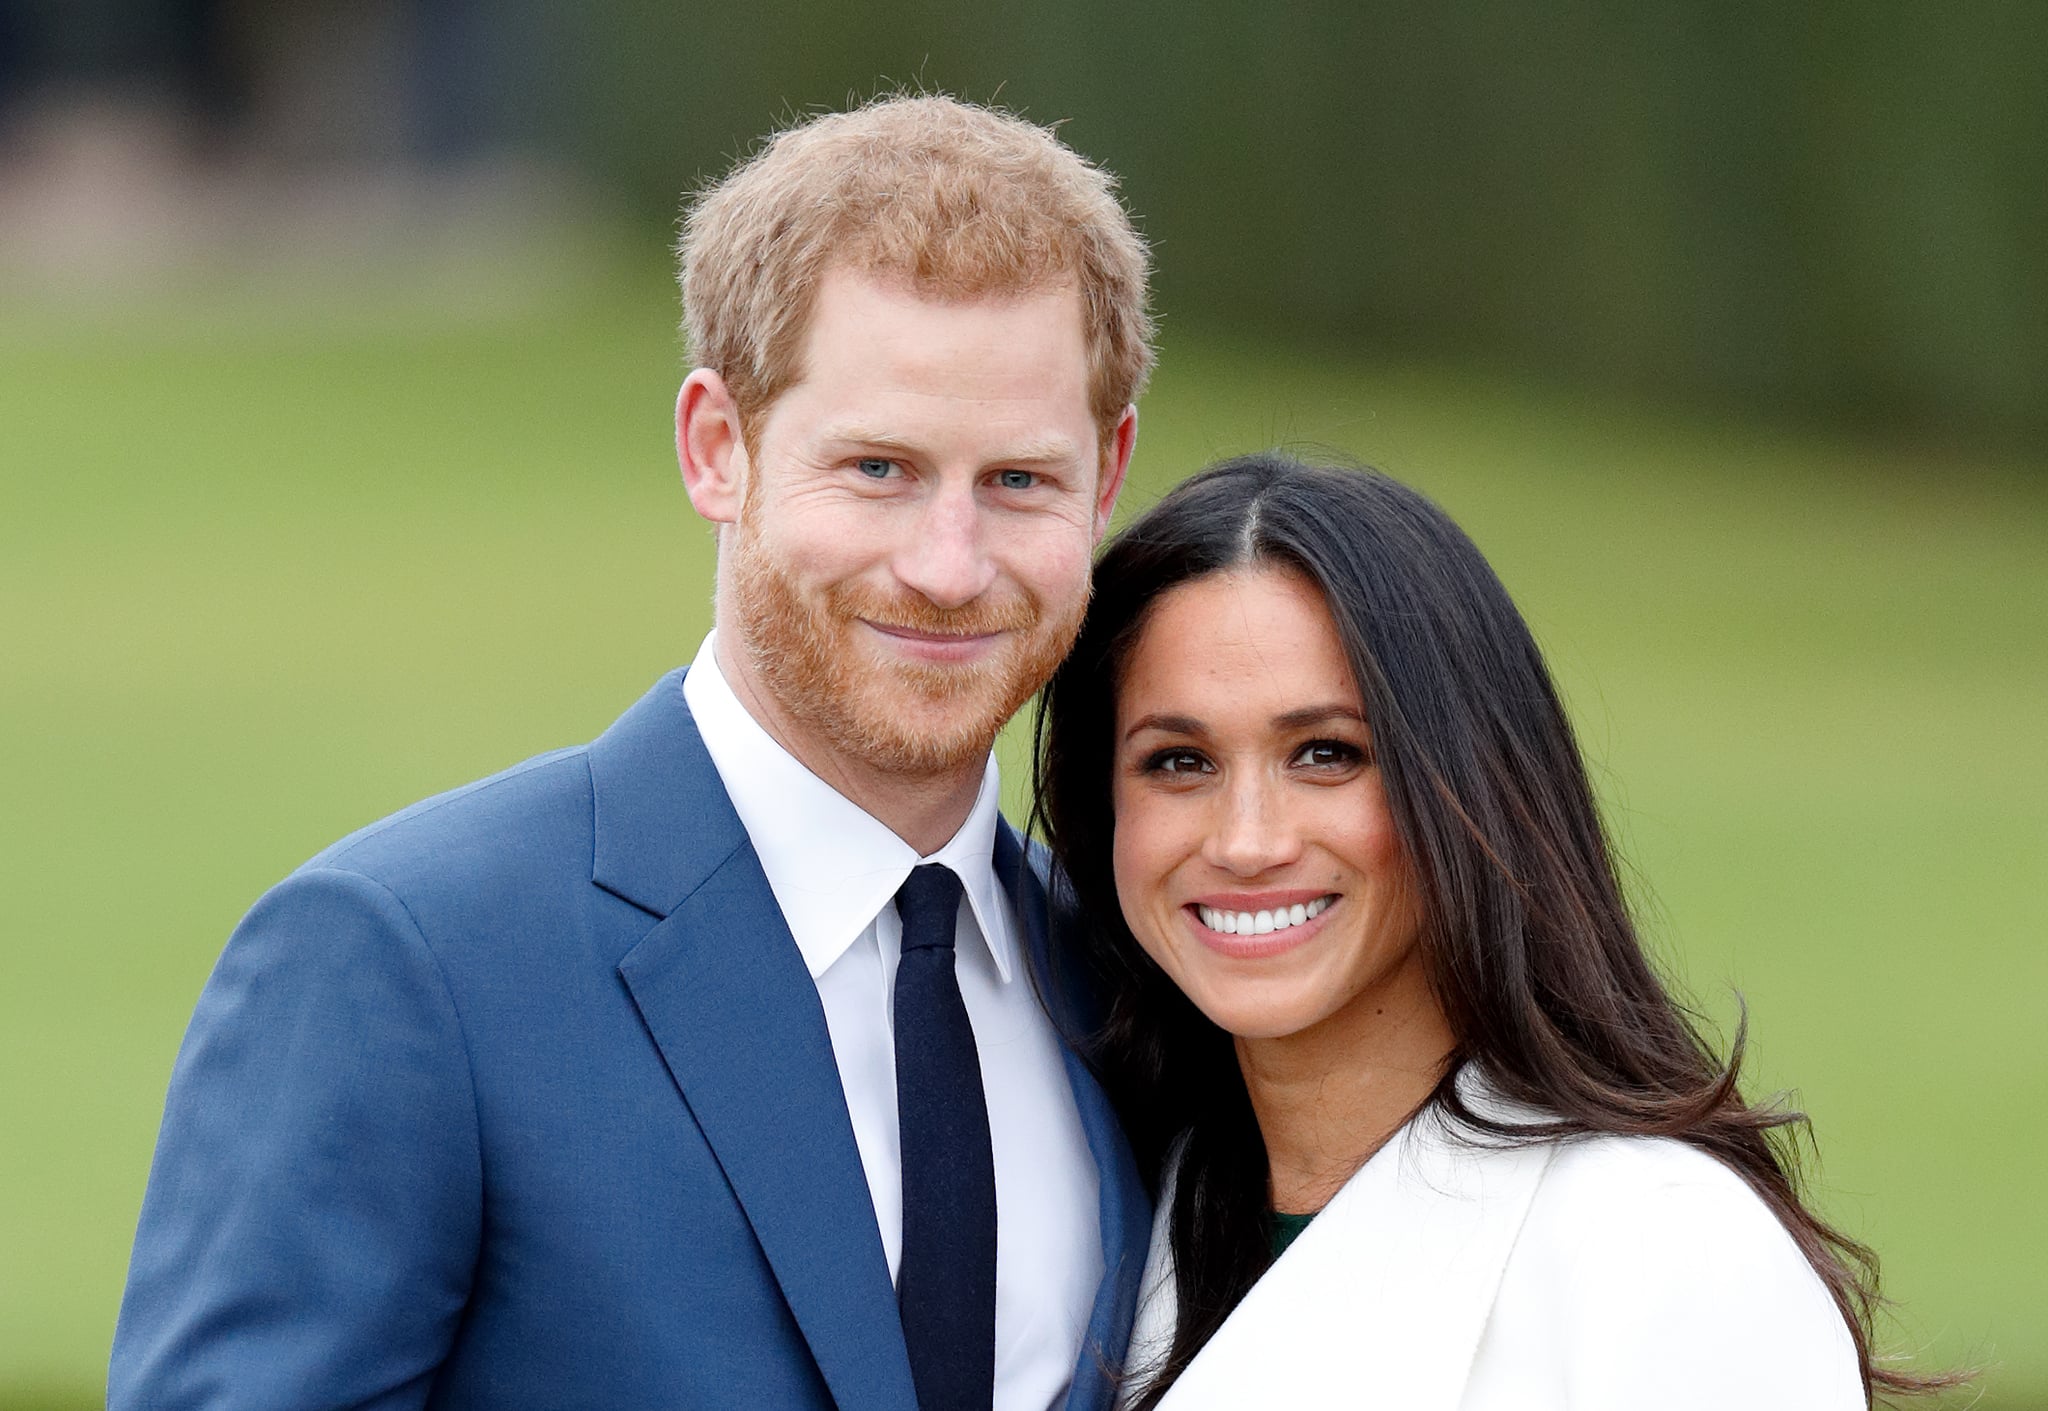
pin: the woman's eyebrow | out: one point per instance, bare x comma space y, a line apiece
1315, 715
1170, 724
1300, 719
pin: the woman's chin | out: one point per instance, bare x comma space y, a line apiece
1255, 1017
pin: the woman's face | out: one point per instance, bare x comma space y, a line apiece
1255, 858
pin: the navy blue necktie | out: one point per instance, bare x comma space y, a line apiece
946, 1284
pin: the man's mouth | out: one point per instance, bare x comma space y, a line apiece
935, 648
915, 634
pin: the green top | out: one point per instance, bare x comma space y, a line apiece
1287, 1228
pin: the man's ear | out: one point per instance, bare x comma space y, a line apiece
709, 449
1116, 460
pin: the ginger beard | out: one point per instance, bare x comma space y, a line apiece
897, 716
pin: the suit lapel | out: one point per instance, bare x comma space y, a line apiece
1125, 1214
1383, 1299
724, 993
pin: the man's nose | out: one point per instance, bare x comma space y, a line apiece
946, 557
1252, 831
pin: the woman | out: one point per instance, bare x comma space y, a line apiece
1431, 1131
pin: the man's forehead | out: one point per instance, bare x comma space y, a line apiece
847, 294
888, 365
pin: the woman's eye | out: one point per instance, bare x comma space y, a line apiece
1176, 762
875, 468
1328, 754
1016, 479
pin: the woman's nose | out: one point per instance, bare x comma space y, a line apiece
1253, 831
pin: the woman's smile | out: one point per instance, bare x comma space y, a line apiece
1252, 927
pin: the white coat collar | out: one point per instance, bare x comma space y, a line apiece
1382, 1299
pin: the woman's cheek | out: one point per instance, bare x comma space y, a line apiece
1135, 855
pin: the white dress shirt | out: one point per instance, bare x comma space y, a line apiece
834, 870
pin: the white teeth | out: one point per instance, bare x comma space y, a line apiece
1261, 923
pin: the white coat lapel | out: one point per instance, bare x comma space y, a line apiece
1381, 1301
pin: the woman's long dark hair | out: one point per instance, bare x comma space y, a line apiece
1527, 940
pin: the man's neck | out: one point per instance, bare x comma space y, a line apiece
924, 810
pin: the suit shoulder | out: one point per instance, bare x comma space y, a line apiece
498, 820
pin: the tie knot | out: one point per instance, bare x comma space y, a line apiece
928, 901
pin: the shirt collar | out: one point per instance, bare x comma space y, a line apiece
832, 865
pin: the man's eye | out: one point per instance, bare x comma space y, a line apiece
875, 467
1016, 479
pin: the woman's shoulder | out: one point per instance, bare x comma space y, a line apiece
1655, 1246
1614, 1206
1605, 1195
1649, 1171
1638, 1193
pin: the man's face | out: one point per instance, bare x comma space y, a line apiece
911, 557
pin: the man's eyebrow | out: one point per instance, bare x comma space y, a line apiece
1033, 450
1039, 450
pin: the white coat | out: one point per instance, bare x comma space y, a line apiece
1596, 1274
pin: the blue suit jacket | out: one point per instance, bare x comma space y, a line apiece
523, 1097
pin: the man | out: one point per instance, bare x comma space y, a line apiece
700, 1066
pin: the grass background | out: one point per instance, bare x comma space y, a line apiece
272, 565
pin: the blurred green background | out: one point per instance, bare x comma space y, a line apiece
335, 469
